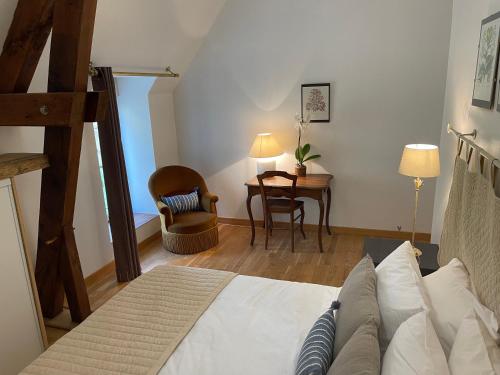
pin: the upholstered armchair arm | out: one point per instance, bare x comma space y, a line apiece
166, 216
208, 201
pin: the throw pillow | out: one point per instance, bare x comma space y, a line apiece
358, 302
316, 355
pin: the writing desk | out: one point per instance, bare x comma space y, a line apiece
312, 186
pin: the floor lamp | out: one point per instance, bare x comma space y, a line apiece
419, 161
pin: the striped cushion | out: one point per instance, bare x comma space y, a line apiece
182, 203
316, 355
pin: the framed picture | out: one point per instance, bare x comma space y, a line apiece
316, 101
487, 61
498, 86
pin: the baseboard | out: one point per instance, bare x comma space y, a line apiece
100, 274
148, 241
109, 268
422, 237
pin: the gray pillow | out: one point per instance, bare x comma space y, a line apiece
361, 354
358, 302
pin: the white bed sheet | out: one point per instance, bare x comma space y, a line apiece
254, 326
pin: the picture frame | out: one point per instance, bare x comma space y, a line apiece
315, 101
487, 62
498, 87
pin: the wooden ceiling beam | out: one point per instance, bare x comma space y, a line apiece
24, 44
51, 109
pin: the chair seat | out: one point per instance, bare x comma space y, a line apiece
192, 222
283, 205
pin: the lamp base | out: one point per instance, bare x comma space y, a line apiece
264, 166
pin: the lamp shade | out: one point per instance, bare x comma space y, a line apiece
265, 146
420, 161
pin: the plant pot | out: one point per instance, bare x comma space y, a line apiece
300, 170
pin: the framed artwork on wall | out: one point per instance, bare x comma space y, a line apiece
498, 88
316, 101
487, 61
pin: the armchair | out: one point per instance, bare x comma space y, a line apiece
190, 232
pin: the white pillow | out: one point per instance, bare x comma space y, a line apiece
474, 350
400, 291
447, 290
415, 349
451, 298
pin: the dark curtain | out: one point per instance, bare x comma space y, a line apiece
121, 218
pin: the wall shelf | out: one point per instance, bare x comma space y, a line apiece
15, 164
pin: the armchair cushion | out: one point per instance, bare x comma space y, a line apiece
192, 222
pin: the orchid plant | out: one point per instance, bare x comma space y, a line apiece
302, 123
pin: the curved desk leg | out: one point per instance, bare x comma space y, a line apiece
320, 225
328, 206
252, 224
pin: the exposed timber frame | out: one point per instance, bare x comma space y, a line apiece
63, 112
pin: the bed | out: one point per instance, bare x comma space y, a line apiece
183, 321
254, 326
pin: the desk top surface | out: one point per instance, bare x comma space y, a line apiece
311, 181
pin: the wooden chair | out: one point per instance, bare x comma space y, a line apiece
273, 202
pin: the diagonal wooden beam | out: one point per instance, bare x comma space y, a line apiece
24, 44
73, 24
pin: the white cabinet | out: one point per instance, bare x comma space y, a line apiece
22, 338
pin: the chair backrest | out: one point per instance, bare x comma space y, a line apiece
271, 190
175, 179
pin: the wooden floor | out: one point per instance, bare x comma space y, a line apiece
235, 254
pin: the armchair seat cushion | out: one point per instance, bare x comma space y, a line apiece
192, 222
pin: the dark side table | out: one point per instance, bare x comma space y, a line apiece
380, 248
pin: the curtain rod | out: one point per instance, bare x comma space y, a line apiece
168, 73
470, 142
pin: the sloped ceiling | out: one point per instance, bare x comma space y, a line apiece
147, 34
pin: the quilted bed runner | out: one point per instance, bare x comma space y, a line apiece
138, 329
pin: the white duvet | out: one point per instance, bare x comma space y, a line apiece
255, 326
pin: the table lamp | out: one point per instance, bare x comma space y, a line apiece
265, 149
419, 161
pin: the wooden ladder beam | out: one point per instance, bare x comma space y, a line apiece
51, 109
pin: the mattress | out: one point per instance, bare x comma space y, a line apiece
254, 326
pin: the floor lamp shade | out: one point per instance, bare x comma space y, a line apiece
265, 149
420, 161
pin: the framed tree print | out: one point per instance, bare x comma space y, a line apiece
487, 61
316, 101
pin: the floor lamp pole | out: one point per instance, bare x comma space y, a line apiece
418, 185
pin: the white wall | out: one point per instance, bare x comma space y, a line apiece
161, 106
387, 61
458, 111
